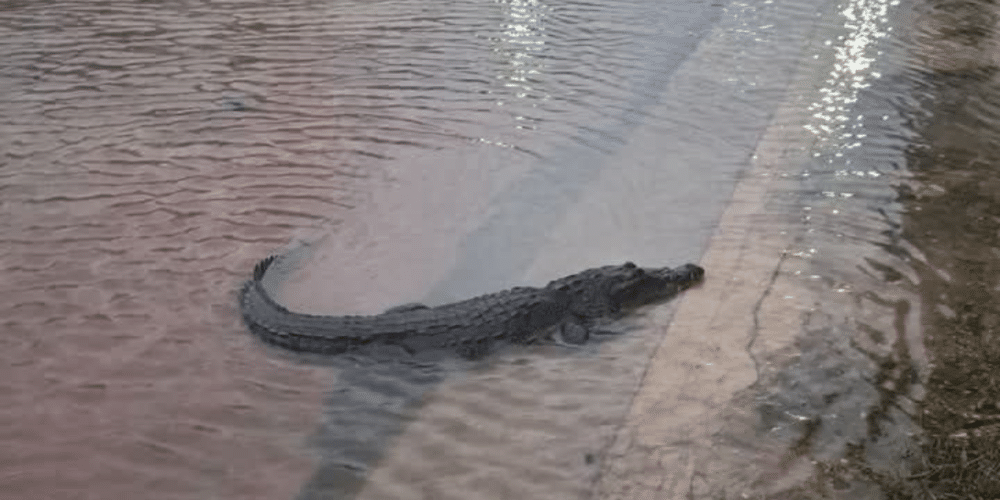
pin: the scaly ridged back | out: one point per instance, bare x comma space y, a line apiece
513, 314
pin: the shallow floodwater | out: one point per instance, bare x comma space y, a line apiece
406, 151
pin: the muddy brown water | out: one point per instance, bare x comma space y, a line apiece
406, 151
153, 152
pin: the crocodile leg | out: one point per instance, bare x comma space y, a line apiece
573, 332
475, 350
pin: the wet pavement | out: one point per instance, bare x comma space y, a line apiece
867, 320
829, 163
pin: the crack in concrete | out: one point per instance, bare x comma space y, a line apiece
755, 332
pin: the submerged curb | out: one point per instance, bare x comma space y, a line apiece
665, 447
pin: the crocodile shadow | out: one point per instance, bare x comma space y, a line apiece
388, 361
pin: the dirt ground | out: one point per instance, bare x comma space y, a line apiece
953, 217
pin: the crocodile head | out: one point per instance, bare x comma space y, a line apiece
636, 286
608, 290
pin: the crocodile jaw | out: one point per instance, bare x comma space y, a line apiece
651, 285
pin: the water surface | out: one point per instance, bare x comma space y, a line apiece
432, 151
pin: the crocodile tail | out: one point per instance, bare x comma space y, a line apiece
261, 267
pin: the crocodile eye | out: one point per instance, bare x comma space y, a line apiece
632, 270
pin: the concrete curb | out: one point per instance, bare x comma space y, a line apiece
665, 448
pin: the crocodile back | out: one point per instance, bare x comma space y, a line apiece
513, 314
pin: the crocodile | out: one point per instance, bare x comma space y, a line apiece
569, 307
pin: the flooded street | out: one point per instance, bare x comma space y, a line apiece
828, 163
